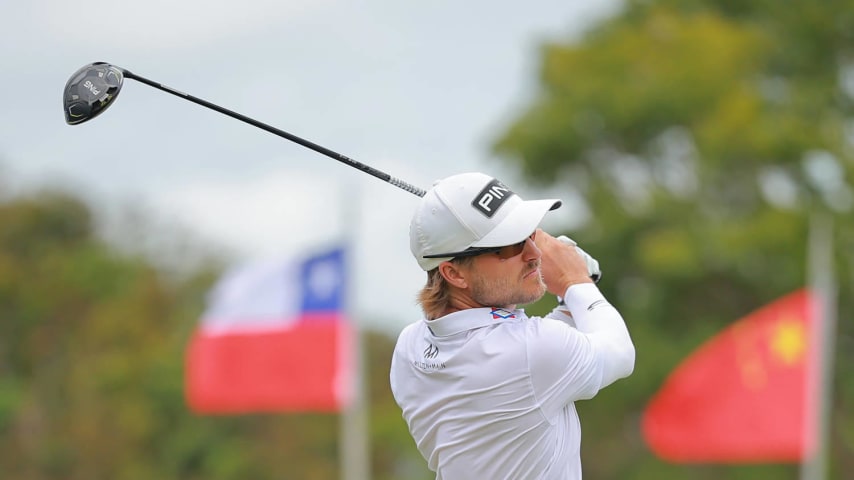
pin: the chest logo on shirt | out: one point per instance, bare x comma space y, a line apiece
429, 363
501, 313
432, 351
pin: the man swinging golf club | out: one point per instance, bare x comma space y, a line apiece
486, 391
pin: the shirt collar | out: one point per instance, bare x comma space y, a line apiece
470, 319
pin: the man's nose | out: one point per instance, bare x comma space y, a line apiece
531, 251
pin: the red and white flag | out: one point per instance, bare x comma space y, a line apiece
274, 337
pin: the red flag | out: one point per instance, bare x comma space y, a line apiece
273, 338
745, 395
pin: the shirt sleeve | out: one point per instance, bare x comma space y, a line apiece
569, 364
561, 313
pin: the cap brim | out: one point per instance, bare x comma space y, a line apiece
519, 223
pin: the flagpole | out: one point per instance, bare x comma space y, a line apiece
823, 286
354, 441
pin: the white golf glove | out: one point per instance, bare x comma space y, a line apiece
592, 263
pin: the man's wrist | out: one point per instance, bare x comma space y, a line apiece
561, 298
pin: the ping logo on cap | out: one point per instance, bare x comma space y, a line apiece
490, 199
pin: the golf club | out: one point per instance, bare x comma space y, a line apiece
94, 87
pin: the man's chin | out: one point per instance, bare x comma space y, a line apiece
534, 297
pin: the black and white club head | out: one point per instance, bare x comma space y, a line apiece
90, 91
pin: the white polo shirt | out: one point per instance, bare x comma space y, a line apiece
488, 393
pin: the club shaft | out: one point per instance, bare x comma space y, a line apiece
281, 133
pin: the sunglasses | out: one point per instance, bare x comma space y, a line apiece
505, 252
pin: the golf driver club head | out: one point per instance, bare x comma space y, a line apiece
90, 91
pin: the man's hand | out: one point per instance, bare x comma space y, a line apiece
562, 264
592, 264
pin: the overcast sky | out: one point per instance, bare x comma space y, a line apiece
416, 89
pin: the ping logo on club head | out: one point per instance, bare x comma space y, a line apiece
91, 87
490, 199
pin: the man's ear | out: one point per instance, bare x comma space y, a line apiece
453, 274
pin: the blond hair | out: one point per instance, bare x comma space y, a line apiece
435, 296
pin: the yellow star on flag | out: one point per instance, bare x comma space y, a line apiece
788, 341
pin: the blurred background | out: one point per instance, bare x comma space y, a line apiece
692, 141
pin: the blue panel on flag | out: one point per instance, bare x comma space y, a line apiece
322, 279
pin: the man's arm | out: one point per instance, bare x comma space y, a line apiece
605, 328
599, 346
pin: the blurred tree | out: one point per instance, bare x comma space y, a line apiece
91, 369
702, 136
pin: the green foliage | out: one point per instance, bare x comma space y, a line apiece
91, 370
704, 136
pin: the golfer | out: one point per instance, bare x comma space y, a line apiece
486, 391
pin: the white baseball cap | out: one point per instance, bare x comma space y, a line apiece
471, 210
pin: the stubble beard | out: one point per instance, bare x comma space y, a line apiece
507, 291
